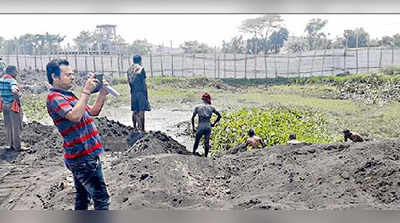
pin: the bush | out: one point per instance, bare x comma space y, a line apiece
34, 107
391, 70
273, 125
119, 80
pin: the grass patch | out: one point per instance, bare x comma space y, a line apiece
34, 106
322, 94
273, 125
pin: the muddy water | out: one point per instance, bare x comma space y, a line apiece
160, 119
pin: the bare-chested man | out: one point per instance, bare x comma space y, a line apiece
353, 136
254, 141
204, 112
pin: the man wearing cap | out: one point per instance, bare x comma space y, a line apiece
204, 112
11, 107
139, 98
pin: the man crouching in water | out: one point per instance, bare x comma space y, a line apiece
254, 141
353, 136
205, 112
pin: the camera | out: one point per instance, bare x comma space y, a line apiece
99, 77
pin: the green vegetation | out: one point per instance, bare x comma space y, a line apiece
273, 125
34, 107
366, 103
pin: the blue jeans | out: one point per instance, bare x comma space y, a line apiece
89, 183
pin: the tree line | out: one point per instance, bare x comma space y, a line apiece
263, 34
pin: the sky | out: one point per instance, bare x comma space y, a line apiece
211, 29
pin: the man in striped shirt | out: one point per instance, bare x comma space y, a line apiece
82, 145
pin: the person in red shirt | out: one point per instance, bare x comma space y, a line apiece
82, 144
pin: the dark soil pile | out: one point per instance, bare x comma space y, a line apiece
152, 174
34, 82
155, 143
113, 134
41, 144
336, 176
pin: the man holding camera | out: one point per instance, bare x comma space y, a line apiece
82, 145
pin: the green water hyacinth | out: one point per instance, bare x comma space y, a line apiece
273, 125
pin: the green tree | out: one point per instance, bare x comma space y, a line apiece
295, 44
10, 46
396, 40
195, 47
52, 42
141, 47
235, 45
315, 37
2, 40
278, 38
386, 41
260, 29
85, 40
338, 43
356, 38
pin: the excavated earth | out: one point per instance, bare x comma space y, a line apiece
156, 172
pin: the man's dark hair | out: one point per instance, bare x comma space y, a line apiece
53, 67
137, 59
11, 69
251, 132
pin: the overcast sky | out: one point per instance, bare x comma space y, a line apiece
210, 29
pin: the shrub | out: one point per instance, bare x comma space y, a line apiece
273, 125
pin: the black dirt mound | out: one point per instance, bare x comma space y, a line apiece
34, 82
134, 137
153, 173
317, 177
156, 143
40, 144
112, 128
43, 143
113, 134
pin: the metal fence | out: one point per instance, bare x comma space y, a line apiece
306, 64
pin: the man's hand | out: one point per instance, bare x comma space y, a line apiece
96, 109
103, 91
90, 84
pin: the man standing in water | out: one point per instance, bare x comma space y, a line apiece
205, 112
139, 99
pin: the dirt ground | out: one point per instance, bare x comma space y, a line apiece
157, 172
